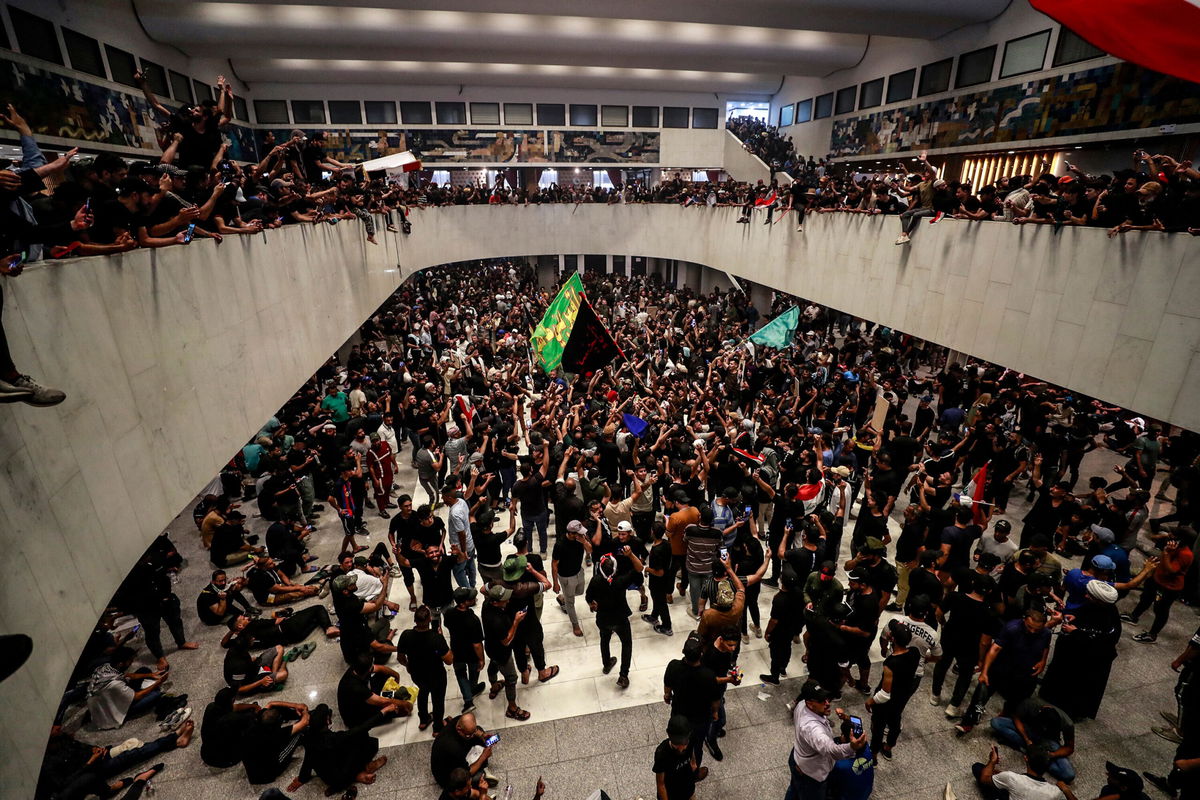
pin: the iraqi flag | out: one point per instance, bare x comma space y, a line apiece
811, 495
763, 202
466, 407
974, 490
590, 346
746, 454
1162, 35
396, 162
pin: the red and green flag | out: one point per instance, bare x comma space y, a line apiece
571, 335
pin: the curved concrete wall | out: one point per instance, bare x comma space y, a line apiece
172, 358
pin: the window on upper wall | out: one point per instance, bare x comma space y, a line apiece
804, 111
271, 112
551, 114
121, 64
345, 112
870, 94
675, 116
975, 67
824, 106
485, 113
844, 102
900, 86
35, 36
518, 113
239, 109
451, 113
645, 116
787, 115
84, 52
380, 112
416, 113
4, 37
614, 116
308, 112
181, 87
156, 78
1025, 54
705, 117
1072, 47
935, 77
203, 90
583, 115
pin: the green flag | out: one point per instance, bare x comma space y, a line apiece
550, 336
778, 332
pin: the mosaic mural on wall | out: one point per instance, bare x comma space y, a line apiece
1113, 97
490, 146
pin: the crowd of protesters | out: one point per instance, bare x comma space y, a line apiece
838, 497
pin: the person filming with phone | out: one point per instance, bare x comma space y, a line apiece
815, 750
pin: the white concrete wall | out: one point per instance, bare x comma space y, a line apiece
173, 358
741, 164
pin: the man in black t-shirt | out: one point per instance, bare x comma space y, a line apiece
499, 631
675, 771
860, 626
221, 598
691, 689
661, 578
449, 751
425, 653
466, 642
606, 597
268, 744
359, 701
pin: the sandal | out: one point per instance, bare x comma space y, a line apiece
644, 604
412, 605
519, 714
307, 649
497, 687
553, 675
292, 655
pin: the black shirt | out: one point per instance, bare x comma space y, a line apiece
221, 734
693, 690
465, 631
530, 494
967, 621
435, 581
496, 625
450, 752
227, 539
424, 651
904, 674
261, 581
568, 553
208, 598
266, 751
660, 558
353, 693
611, 606
676, 768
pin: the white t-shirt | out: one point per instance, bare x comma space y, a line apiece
368, 586
1025, 787
1005, 549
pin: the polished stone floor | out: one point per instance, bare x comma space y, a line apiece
585, 733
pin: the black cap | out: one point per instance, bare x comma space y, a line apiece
1128, 778
815, 691
679, 730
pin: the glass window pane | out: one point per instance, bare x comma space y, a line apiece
518, 113
35, 36
416, 113
645, 116
240, 111
614, 116
1072, 47
704, 117
271, 112
84, 52
551, 114
845, 100
202, 90
787, 115
122, 65
380, 112
870, 94
345, 112
975, 67
485, 113
675, 116
583, 115
804, 111
451, 113
156, 77
1026, 54
310, 112
900, 86
181, 87
824, 106
935, 77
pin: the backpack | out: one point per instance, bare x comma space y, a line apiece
723, 594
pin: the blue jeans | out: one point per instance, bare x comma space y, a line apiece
1006, 731
464, 572
541, 520
803, 787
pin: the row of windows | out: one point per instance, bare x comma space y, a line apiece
1021, 55
424, 112
37, 37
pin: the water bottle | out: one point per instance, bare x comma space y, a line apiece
508, 792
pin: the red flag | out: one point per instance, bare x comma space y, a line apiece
466, 407
1162, 35
756, 458
974, 490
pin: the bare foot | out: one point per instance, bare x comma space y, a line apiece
577, 631
162, 664
185, 734
332, 632
376, 765
190, 646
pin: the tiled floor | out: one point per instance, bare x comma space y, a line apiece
585, 733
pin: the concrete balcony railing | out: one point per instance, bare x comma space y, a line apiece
172, 358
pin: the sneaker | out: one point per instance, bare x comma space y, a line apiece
745, 638
757, 631
768, 678
1130, 618
608, 665
468, 708
714, 749
384, 514
799, 229
394, 571
937, 217
1145, 638
663, 631
902, 239
953, 712
623, 682
1170, 734
893, 607
935, 699
27, 390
